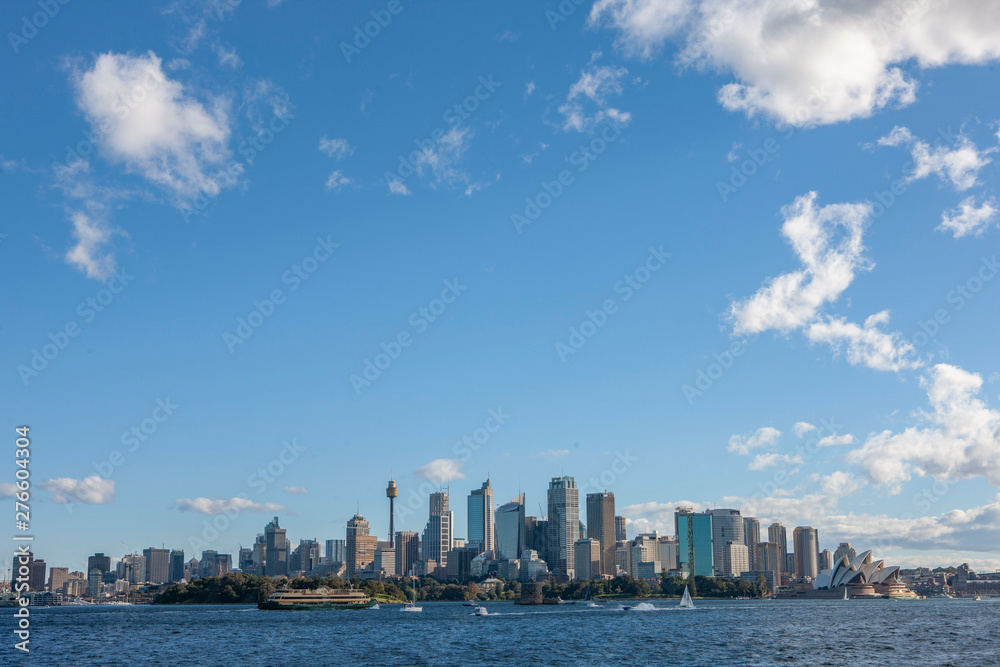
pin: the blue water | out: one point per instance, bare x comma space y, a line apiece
859, 632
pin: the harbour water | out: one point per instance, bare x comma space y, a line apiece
934, 632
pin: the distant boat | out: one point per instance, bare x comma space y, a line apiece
686, 601
845, 594
469, 604
412, 606
319, 598
627, 608
482, 611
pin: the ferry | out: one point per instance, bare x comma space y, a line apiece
317, 598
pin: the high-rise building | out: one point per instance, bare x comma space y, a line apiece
176, 565
244, 560
308, 555
336, 550
776, 533
385, 560
275, 550
391, 492
223, 564
480, 518
132, 568
770, 559
360, 545
646, 556
727, 526
825, 560
100, 562
751, 536
623, 557
601, 527
94, 582
36, 574
58, 576
510, 527
407, 551
564, 524
806, 541
587, 555
536, 534
668, 552
735, 560
694, 542
157, 565
259, 554
845, 549
620, 522
438, 537
206, 567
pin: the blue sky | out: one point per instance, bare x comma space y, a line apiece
183, 164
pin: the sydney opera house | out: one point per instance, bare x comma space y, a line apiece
862, 577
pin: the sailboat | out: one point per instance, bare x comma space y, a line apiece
845, 594
412, 606
686, 602
590, 603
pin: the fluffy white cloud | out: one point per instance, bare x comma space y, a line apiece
764, 461
152, 125
839, 483
227, 57
968, 219
336, 180
553, 454
7, 489
397, 187
297, 490
866, 345
959, 438
959, 165
808, 62
763, 437
337, 148
228, 506
835, 440
828, 243
801, 428
595, 85
441, 159
440, 471
93, 490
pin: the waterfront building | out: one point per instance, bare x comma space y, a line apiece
176, 565
564, 524
588, 554
735, 560
694, 542
601, 527
727, 526
776, 534
511, 527
806, 544
57, 577
480, 518
620, 529
100, 562
407, 551
157, 565
361, 545
275, 550
751, 536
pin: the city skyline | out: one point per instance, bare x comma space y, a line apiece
251, 276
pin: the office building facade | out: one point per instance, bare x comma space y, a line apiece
564, 524
601, 527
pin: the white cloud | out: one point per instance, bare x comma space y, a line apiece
440, 471
553, 454
297, 490
227, 57
801, 428
967, 219
335, 147
959, 438
441, 159
762, 461
808, 62
763, 437
507, 36
93, 490
529, 88
89, 254
839, 484
959, 165
337, 180
596, 85
658, 516
834, 440
828, 243
397, 187
7, 490
222, 505
866, 345
157, 129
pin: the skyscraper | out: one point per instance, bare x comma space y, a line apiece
769, 559
825, 560
57, 577
668, 552
564, 524
751, 536
391, 492
587, 558
407, 551
157, 565
276, 550
511, 529
36, 574
176, 565
727, 527
694, 542
601, 527
776, 533
438, 535
806, 541
480, 518
620, 522
845, 549
336, 550
207, 564
100, 562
